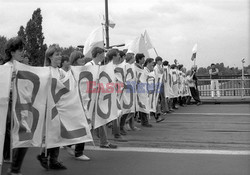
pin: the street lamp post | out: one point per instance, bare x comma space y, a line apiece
242, 78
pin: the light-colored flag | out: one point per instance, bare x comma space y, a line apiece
194, 52
95, 39
147, 40
111, 21
5, 80
66, 123
138, 46
29, 103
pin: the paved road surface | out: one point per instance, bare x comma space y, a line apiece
195, 140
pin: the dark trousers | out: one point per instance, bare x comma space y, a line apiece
195, 94
18, 153
162, 99
79, 149
17, 159
53, 154
123, 121
144, 118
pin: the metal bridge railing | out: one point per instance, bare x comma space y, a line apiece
228, 85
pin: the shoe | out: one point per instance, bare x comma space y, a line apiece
175, 107
10, 173
136, 129
127, 127
120, 139
147, 125
123, 132
57, 166
160, 119
43, 161
199, 103
83, 158
70, 151
109, 146
7, 161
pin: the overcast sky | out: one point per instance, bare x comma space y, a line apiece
219, 27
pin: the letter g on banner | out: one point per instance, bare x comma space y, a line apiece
105, 97
33, 113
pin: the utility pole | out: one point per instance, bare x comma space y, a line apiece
107, 24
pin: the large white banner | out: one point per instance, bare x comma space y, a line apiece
87, 78
168, 83
157, 88
151, 90
5, 74
29, 103
129, 92
142, 100
66, 122
120, 78
106, 104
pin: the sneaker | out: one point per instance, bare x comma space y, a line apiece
120, 139
7, 161
57, 166
83, 158
109, 146
147, 125
10, 173
123, 132
160, 119
43, 161
70, 151
127, 127
135, 128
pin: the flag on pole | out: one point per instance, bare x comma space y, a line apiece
95, 39
147, 40
194, 51
138, 46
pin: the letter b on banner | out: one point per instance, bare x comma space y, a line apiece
32, 114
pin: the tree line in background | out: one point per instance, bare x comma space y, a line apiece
35, 47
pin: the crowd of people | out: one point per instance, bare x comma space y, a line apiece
176, 91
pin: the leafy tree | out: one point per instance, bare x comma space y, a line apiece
33, 36
21, 33
3, 41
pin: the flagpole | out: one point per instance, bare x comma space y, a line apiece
155, 52
107, 24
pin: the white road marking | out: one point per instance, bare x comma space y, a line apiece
176, 151
229, 114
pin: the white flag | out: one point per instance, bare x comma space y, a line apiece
147, 40
138, 46
95, 39
194, 51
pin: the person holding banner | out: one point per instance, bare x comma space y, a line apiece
149, 68
97, 58
76, 59
129, 115
113, 56
53, 59
140, 60
14, 51
159, 70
